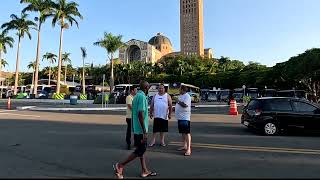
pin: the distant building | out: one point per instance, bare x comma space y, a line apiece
149, 52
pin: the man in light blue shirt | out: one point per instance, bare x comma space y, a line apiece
140, 121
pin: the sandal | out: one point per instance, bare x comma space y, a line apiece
163, 145
151, 174
115, 168
187, 154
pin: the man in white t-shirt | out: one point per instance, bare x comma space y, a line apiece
183, 115
129, 99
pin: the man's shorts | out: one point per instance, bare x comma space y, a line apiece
184, 126
140, 147
160, 125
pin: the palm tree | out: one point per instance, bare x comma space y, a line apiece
111, 44
64, 12
3, 64
32, 65
65, 60
4, 42
52, 58
84, 55
43, 8
23, 26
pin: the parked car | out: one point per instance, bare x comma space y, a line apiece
272, 115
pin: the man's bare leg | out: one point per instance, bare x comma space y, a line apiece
120, 166
144, 165
153, 140
184, 143
188, 152
162, 134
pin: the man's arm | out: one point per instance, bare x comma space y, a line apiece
170, 106
129, 104
182, 104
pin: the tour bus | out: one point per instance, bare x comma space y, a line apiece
238, 94
193, 91
252, 92
292, 93
225, 95
268, 93
121, 92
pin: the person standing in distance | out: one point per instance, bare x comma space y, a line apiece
183, 115
129, 99
161, 110
140, 121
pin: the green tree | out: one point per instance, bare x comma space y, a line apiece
64, 12
51, 58
111, 44
66, 60
22, 25
5, 41
44, 10
32, 66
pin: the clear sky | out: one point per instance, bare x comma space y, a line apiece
265, 31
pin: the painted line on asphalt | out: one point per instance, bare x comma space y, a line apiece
4, 111
252, 148
21, 115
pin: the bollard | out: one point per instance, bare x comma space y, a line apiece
9, 103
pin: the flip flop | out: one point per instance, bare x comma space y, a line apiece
119, 176
151, 174
187, 154
163, 145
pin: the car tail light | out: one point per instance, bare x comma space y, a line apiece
258, 112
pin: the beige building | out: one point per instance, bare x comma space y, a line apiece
149, 52
191, 27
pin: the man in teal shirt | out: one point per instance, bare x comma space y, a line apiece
140, 121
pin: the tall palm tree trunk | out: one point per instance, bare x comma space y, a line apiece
112, 75
49, 82
60, 61
33, 78
83, 80
36, 72
1, 82
65, 73
16, 81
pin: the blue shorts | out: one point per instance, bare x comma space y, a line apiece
184, 126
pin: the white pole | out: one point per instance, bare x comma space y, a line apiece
102, 95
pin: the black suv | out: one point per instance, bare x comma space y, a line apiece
272, 115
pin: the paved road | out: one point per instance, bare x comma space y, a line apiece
37, 144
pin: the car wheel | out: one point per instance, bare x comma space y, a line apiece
271, 129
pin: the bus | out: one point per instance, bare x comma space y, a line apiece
193, 91
269, 93
252, 92
293, 93
121, 92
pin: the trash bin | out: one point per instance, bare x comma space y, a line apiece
73, 100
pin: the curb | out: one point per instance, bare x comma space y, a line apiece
34, 108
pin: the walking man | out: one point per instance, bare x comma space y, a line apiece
129, 99
140, 121
160, 109
183, 115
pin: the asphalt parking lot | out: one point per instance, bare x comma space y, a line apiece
66, 145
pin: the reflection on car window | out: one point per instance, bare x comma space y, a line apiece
303, 107
280, 105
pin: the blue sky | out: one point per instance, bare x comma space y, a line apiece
265, 31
